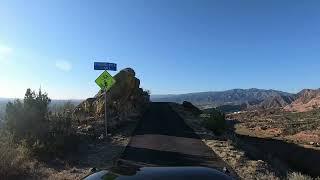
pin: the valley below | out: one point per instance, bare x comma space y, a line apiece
265, 144
279, 129
287, 140
302, 128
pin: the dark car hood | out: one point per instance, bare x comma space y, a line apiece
159, 173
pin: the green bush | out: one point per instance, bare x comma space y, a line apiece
45, 134
61, 138
28, 120
214, 120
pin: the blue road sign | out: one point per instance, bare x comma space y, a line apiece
105, 66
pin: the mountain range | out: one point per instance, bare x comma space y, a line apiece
240, 99
231, 100
249, 97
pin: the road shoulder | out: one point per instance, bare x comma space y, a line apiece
223, 146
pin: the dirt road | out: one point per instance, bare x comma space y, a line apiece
163, 139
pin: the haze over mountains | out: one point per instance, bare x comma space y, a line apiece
236, 99
54, 103
248, 98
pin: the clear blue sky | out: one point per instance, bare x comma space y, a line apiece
175, 46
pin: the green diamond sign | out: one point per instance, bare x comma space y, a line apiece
105, 81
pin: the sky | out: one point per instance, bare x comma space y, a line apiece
175, 46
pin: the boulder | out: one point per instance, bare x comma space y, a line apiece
125, 101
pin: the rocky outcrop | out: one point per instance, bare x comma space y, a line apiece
308, 99
125, 101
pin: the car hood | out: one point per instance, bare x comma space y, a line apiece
159, 173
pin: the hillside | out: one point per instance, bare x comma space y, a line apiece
276, 102
250, 97
307, 99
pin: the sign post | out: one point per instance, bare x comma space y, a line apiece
105, 81
105, 111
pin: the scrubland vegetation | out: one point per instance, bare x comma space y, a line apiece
214, 120
299, 127
31, 132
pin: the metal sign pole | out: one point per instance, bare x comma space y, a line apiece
105, 106
105, 111
105, 81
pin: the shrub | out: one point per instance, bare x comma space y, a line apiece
28, 120
45, 134
14, 159
214, 120
61, 138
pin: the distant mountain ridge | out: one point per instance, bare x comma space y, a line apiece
250, 97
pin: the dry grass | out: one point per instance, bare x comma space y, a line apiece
19, 162
15, 161
301, 128
99, 154
245, 167
298, 176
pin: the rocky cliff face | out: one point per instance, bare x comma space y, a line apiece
276, 102
125, 101
307, 100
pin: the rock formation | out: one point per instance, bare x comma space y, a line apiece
125, 101
307, 100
